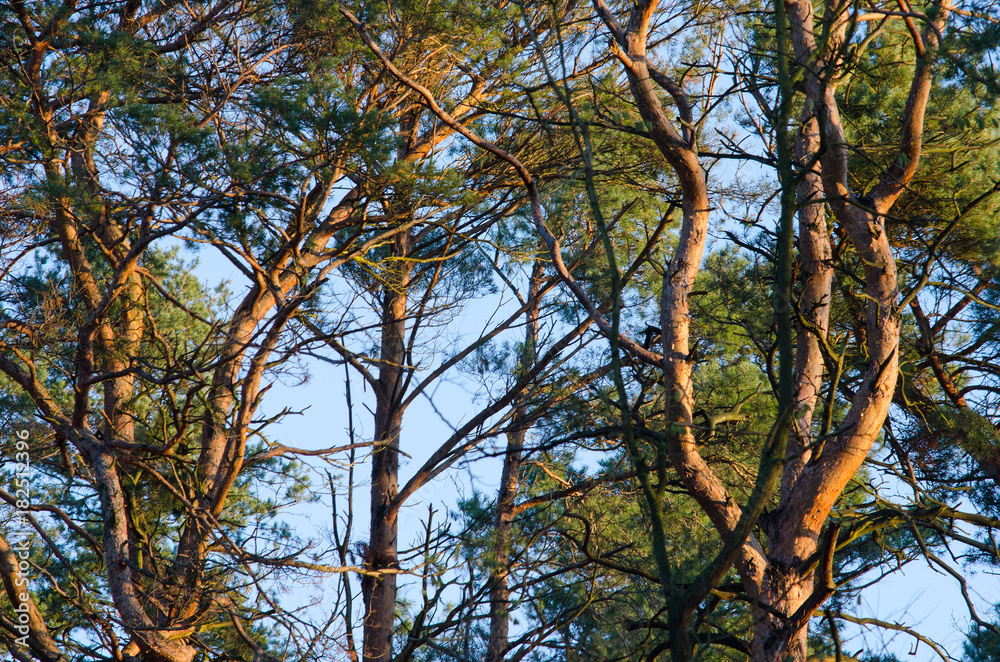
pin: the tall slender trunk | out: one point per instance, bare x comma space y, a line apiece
816, 268
380, 591
784, 588
507, 495
503, 524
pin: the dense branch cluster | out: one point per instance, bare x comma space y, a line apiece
712, 287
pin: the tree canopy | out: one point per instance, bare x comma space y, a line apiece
691, 304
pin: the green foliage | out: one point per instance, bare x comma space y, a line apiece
270, 135
982, 644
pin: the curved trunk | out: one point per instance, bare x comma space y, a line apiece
816, 476
155, 647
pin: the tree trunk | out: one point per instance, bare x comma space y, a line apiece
814, 478
785, 590
500, 589
504, 520
815, 261
380, 591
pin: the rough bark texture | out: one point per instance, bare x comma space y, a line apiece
500, 589
106, 342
